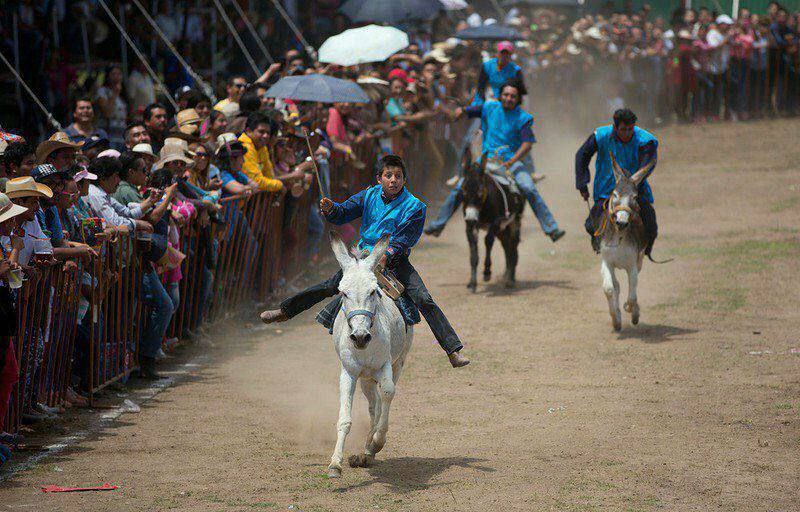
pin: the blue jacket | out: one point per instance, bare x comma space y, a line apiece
631, 156
506, 129
495, 78
403, 218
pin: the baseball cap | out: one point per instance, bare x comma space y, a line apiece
43, 171
724, 19
93, 141
84, 174
399, 73
505, 46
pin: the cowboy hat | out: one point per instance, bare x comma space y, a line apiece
8, 209
25, 186
172, 153
58, 140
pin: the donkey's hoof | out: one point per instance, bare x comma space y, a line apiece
472, 286
617, 323
334, 472
487, 276
361, 460
635, 318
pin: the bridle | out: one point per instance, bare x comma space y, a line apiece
349, 315
613, 210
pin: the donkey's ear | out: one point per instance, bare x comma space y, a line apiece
618, 171
644, 172
377, 251
343, 256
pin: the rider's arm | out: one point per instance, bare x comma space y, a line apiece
582, 159
348, 211
480, 93
528, 139
407, 233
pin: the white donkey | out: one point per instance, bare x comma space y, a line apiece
372, 341
623, 240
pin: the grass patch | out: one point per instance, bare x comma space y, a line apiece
785, 204
783, 406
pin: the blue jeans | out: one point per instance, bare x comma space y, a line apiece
521, 171
527, 187
161, 310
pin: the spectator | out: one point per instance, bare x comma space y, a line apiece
113, 107
141, 88
83, 122
17, 159
155, 121
136, 133
235, 88
257, 163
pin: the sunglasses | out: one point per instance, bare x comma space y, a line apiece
199, 154
240, 86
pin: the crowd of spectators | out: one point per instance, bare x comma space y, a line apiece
128, 165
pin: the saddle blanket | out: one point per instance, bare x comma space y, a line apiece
406, 306
505, 180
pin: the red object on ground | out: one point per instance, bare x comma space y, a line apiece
56, 488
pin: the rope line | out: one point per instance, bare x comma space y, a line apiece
197, 78
253, 32
52, 120
139, 55
236, 38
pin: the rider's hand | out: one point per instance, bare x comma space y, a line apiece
325, 206
585, 194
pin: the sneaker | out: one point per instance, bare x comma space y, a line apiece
556, 235
148, 369
160, 355
42, 408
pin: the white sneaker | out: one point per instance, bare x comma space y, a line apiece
160, 355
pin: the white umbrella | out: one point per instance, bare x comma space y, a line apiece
454, 5
372, 43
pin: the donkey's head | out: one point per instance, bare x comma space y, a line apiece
623, 205
359, 287
474, 186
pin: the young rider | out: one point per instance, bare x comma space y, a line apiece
633, 148
387, 207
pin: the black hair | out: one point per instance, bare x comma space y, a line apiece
625, 116
234, 77
516, 84
148, 110
162, 178
249, 102
193, 97
256, 118
127, 162
105, 167
15, 152
80, 98
131, 126
391, 161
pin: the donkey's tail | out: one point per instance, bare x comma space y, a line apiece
649, 257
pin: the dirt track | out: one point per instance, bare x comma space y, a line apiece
556, 412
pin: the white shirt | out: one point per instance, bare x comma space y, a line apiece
32, 231
141, 89
109, 209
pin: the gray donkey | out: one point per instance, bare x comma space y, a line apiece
622, 240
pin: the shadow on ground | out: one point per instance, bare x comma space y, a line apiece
657, 333
407, 474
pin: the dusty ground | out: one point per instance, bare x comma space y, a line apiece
556, 412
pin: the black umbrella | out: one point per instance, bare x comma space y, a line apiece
319, 88
494, 32
390, 11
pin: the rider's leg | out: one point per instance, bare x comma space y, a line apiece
419, 294
593, 223
302, 301
648, 214
446, 211
540, 209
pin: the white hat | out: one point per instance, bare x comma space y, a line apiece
9, 209
144, 149
724, 19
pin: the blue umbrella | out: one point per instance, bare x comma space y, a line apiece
390, 11
494, 32
319, 88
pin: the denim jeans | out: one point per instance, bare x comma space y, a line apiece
448, 208
161, 310
521, 171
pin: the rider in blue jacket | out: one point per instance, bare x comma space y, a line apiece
633, 148
387, 207
507, 134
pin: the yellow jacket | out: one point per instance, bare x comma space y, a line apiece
258, 166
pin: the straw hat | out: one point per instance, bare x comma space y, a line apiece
58, 140
8, 209
188, 121
172, 153
26, 186
181, 143
144, 149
